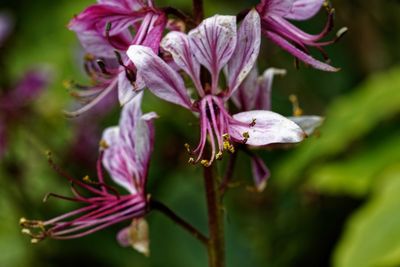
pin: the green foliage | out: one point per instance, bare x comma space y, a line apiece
347, 120
372, 236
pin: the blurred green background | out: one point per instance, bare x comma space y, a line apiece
331, 201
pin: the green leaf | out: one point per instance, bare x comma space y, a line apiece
372, 236
357, 175
347, 120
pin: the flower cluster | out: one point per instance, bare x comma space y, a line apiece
127, 51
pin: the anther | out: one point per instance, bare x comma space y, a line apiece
26, 231
246, 137
103, 144
22, 221
219, 155
187, 146
191, 161
297, 111
205, 163
253, 123
68, 84
88, 57
34, 240
87, 180
226, 137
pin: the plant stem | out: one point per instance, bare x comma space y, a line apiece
216, 245
156, 205
229, 173
198, 11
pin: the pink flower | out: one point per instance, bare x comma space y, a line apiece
275, 25
125, 154
215, 44
106, 30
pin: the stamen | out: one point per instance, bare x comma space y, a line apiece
191, 160
205, 163
219, 155
187, 146
103, 144
253, 123
297, 111
246, 136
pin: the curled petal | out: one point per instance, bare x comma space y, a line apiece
213, 43
304, 9
260, 172
160, 78
308, 123
298, 53
261, 128
247, 50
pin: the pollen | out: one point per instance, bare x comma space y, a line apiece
187, 146
34, 240
26, 231
87, 179
22, 221
67, 84
219, 155
205, 163
297, 111
246, 137
103, 144
89, 57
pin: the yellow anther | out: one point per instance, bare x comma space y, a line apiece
87, 179
226, 137
22, 221
34, 240
67, 84
226, 145
26, 231
103, 144
219, 155
297, 111
89, 57
232, 149
253, 123
191, 161
246, 135
187, 148
205, 163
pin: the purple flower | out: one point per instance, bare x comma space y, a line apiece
125, 154
215, 44
275, 26
255, 93
14, 101
106, 30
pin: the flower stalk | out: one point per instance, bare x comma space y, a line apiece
156, 205
216, 244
